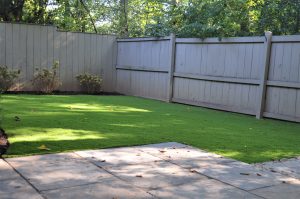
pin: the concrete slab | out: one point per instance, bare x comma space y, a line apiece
17, 188
200, 162
166, 170
6, 172
241, 175
155, 175
55, 171
287, 191
184, 154
44, 160
208, 189
176, 153
164, 145
289, 167
115, 189
117, 156
160, 146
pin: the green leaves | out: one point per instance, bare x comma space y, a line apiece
7, 78
46, 80
186, 18
90, 83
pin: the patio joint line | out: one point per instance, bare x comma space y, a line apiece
141, 188
145, 190
21, 175
265, 187
170, 161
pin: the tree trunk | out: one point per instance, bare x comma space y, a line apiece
124, 32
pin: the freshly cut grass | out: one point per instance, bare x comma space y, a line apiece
77, 122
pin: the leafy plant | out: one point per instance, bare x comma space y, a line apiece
46, 80
7, 78
90, 83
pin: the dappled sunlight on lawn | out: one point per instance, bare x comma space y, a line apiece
65, 123
52, 134
98, 108
143, 125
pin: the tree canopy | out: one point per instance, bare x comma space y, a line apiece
186, 18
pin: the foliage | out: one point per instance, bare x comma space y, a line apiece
186, 18
46, 80
7, 78
90, 83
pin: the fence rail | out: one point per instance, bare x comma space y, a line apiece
253, 75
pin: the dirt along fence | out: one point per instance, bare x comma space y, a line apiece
27, 47
253, 75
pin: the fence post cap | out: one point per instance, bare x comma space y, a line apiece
268, 33
172, 34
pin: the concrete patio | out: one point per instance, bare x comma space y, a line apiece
165, 170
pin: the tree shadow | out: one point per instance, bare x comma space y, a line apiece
83, 122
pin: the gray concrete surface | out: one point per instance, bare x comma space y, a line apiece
165, 170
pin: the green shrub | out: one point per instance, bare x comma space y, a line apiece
46, 80
90, 83
8, 78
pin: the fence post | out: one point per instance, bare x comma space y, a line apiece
264, 76
172, 66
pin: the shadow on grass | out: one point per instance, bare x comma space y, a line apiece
87, 122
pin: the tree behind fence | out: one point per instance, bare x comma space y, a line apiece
253, 75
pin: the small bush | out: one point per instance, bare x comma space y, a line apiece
46, 80
7, 78
90, 83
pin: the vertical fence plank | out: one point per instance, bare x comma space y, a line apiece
23, 56
30, 56
2, 44
50, 46
69, 62
172, 52
264, 76
9, 45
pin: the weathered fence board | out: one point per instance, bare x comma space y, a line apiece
27, 47
283, 85
253, 75
144, 65
232, 74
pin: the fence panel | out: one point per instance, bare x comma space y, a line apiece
283, 86
218, 74
142, 67
26, 47
222, 74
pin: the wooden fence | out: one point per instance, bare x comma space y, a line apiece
253, 75
27, 47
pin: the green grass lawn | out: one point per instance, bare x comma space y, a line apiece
66, 123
